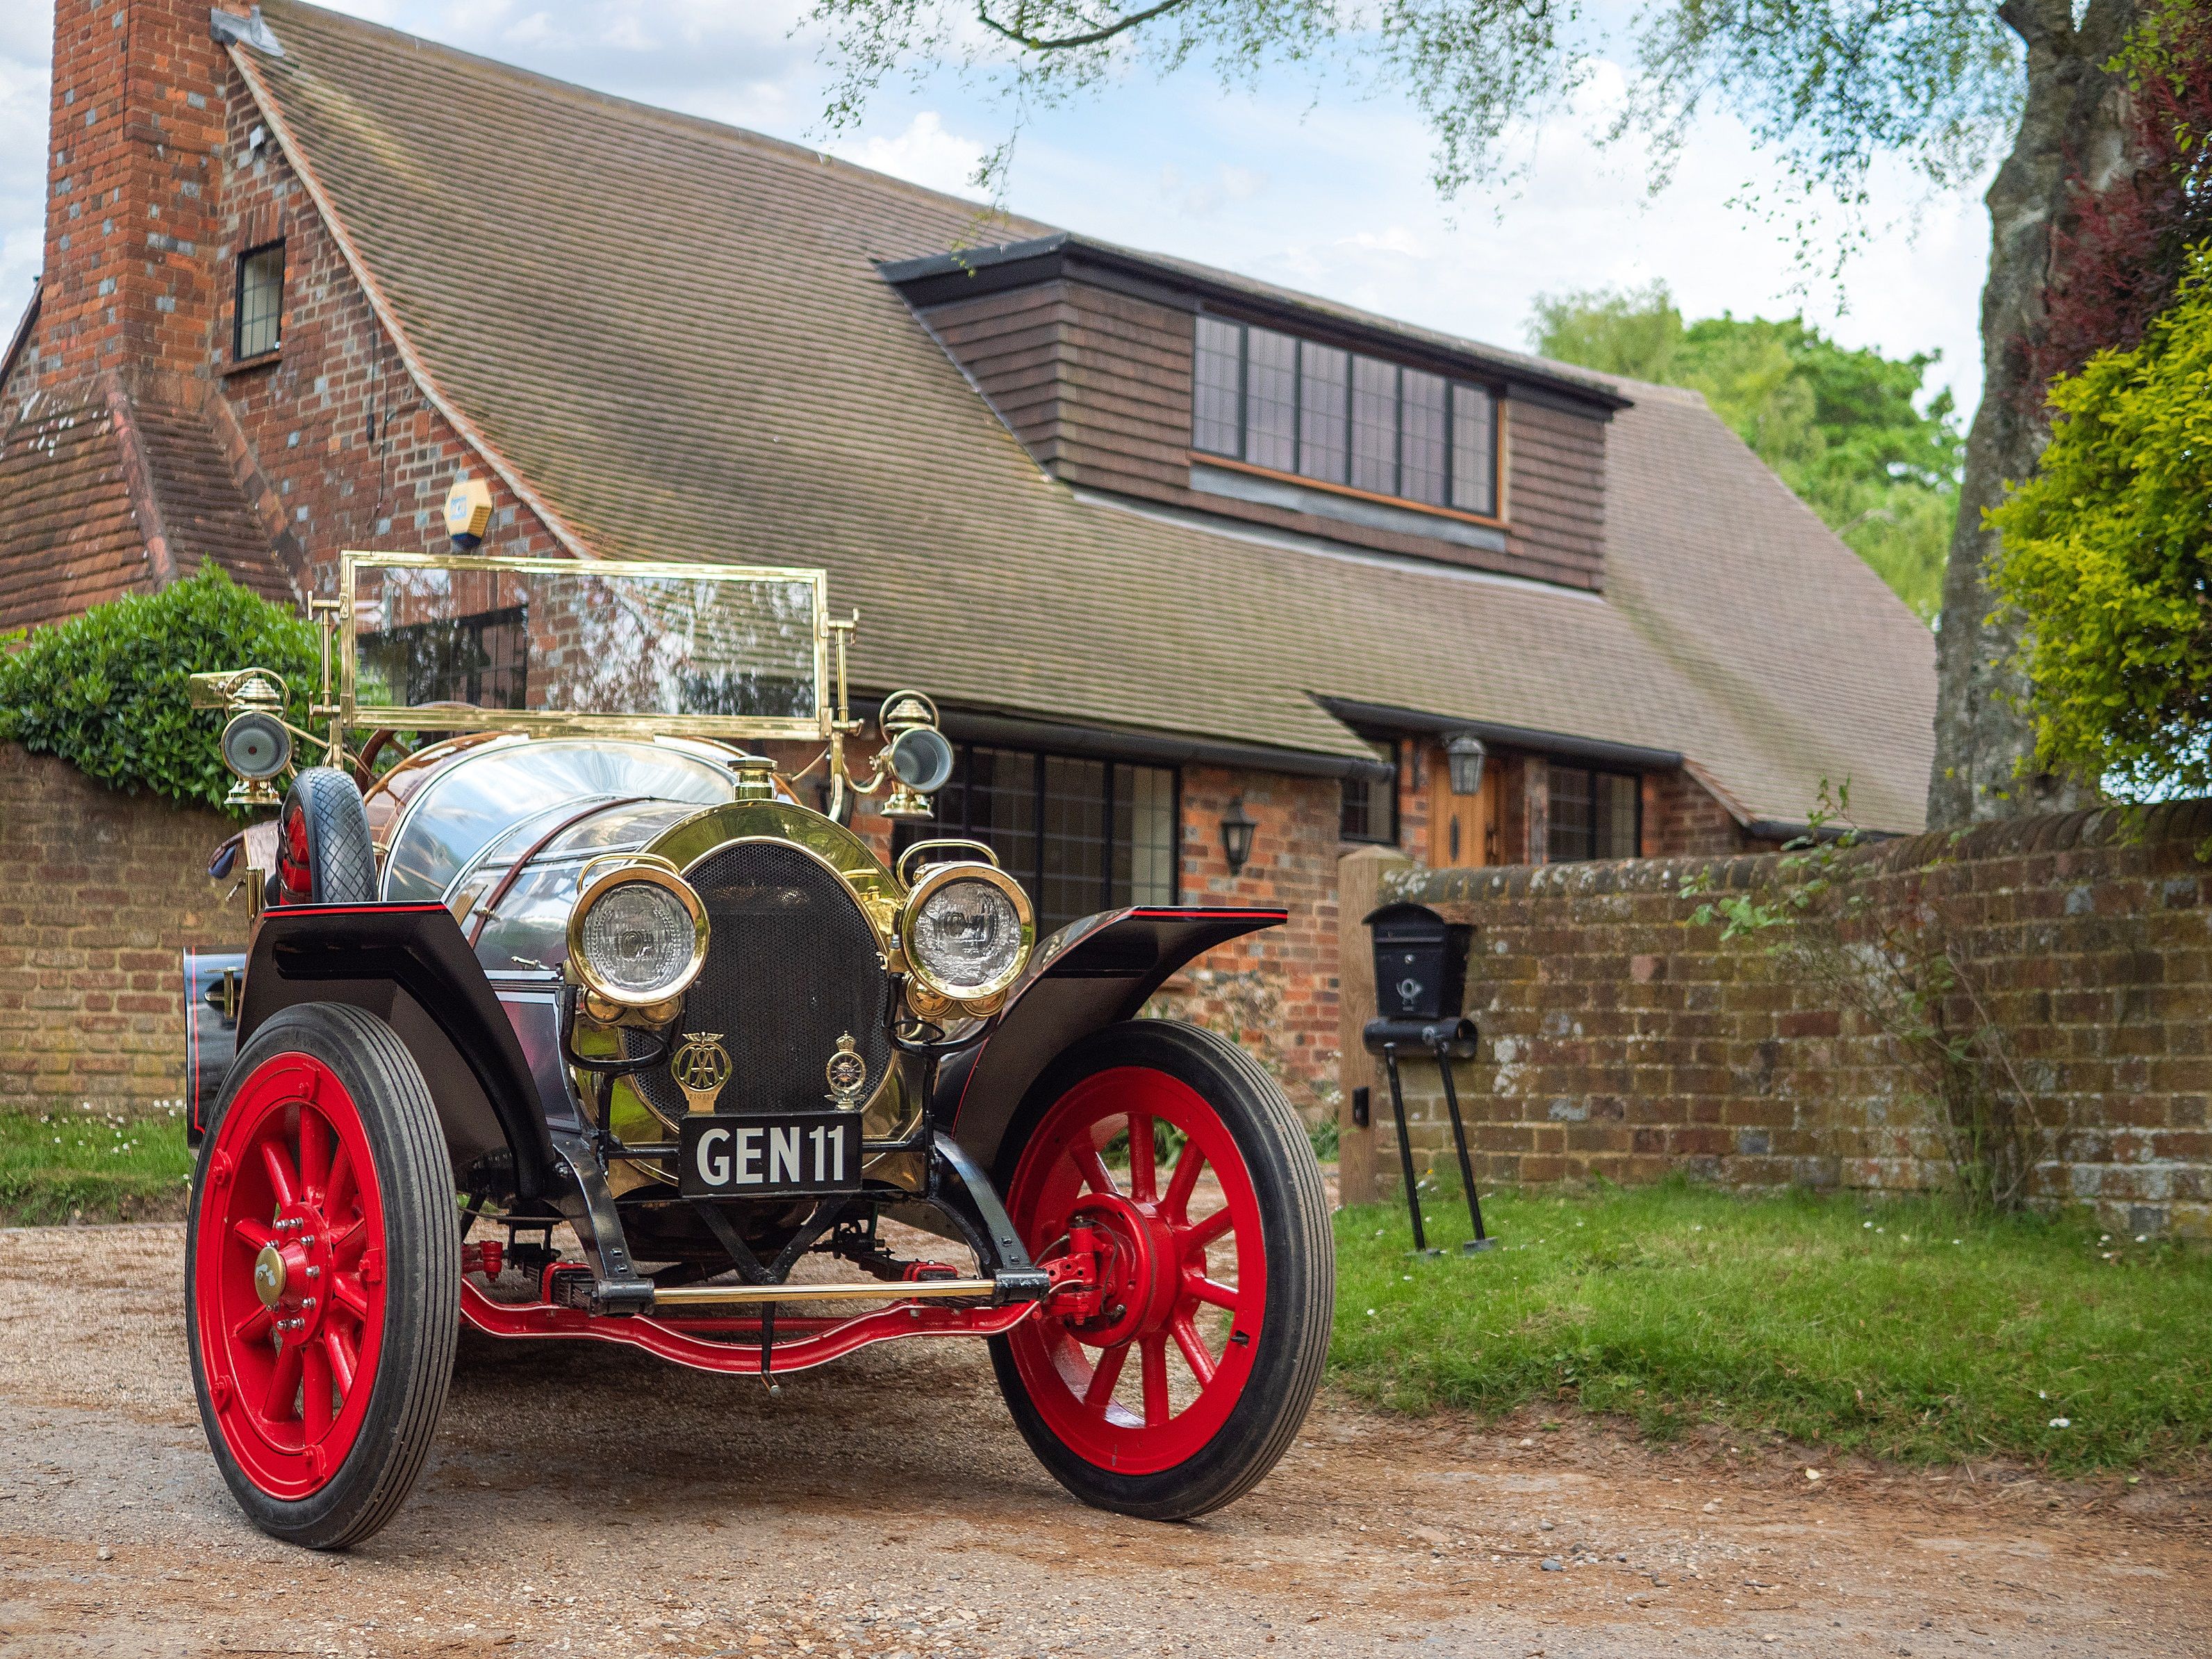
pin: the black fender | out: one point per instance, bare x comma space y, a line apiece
1093, 973
410, 966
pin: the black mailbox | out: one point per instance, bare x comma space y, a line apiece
1420, 981
1420, 963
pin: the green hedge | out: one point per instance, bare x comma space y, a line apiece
106, 692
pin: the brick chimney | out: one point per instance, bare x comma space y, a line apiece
129, 283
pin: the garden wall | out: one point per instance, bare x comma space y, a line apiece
1621, 1038
98, 894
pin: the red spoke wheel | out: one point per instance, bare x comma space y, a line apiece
1168, 1155
322, 1276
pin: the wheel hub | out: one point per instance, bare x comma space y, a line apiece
268, 1277
290, 1273
1135, 1294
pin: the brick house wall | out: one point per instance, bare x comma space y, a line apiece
1272, 991
331, 438
105, 891
1683, 819
344, 450
1622, 1039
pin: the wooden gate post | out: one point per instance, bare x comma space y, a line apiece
1358, 890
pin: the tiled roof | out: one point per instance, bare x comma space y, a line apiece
203, 512
68, 537
676, 332
102, 495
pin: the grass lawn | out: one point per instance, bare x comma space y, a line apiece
72, 1165
1887, 1326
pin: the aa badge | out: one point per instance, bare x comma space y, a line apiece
699, 1067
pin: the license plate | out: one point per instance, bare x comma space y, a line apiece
731, 1157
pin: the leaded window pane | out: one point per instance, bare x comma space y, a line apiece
1324, 380
1369, 809
1214, 399
1271, 399
1375, 426
1474, 450
1568, 832
1144, 836
1421, 437
260, 302
1617, 801
1074, 875
1002, 802
1593, 815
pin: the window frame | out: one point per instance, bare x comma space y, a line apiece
1397, 784
1591, 774
1452, 384
245, 259
1032, 879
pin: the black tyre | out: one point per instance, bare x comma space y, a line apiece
322, 1276
1219, 1270
324, 854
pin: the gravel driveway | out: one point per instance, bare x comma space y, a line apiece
587, 1502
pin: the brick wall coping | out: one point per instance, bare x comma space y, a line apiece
2168, 823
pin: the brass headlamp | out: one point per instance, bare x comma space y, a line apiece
257, 741
915, 754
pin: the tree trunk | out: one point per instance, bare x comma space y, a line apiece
2070, 126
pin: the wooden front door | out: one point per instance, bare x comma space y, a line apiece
1463, 829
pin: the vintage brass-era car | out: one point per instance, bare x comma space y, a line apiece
542, 950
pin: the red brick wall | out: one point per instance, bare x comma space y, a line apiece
345, 451
137, 114
104, 892
1272, 991
1622, 1039
332, 441
1682, 819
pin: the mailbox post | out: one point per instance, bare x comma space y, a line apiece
1420, 981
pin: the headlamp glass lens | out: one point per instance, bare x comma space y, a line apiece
638, 937
966, 935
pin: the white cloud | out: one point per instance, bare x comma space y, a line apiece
925, 154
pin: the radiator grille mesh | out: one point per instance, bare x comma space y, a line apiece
791, 966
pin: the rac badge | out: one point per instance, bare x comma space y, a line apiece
700, 1065
848, 1073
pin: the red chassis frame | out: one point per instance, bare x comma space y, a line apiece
810, 1342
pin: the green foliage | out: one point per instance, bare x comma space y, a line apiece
1634, 331
1827, 88
107, 691
2107, 555
1844, 427
1899, 1329
63, 1166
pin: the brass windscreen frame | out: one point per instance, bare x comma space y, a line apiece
354, 715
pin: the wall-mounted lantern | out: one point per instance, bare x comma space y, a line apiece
1237, 827
1466, 752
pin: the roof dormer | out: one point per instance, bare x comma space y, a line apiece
1149, 379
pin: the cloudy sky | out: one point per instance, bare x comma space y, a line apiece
1307, 184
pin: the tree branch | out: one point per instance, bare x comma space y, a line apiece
1020, 37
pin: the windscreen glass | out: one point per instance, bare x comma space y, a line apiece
715, 649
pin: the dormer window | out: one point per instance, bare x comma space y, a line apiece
1339, 418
